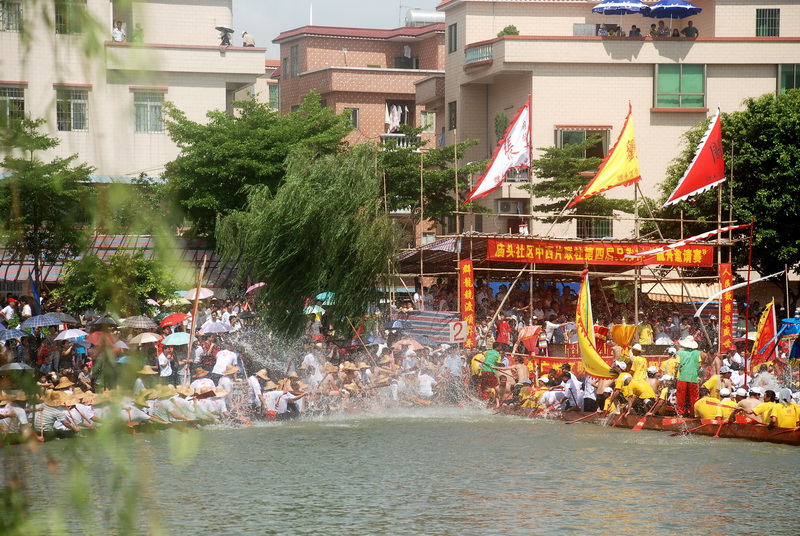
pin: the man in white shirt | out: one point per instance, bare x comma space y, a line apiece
165, 363
118, 34
225, 358
425, 384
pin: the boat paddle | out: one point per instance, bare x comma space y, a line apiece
620, 418
640, 423
585, 417
684, 432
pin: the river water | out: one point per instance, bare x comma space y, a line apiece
453, 471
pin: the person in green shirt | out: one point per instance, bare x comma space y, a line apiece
688, 376
488, 379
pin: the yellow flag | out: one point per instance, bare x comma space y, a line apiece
592, 362
619, 168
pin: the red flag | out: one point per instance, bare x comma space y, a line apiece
707, 168
512, 151
765, 336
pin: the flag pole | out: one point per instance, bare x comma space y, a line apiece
530, 202
747, 305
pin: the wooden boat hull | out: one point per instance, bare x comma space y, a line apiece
707, 427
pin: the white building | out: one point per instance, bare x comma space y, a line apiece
581, 83
104, 99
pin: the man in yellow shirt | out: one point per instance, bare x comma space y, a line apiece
785, 414
706, 406
763, 411
718, 381
640, 395
730, 405
670, 364
639, 363
665, 384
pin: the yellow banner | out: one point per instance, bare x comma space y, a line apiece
619, 168
592, 362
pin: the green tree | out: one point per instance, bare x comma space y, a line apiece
222, 158
41, 203
508, 30
763, 173
563, 174
326, 229
123, 284
402, 168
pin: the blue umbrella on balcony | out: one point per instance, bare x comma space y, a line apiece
671, 9
620, 7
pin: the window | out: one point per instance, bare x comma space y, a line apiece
274, 96
285, 71
768, 22
71, 109
594, 228
680, 86
452, 114
789, 78
353, 113
428, 238
566, 136
71, 15
10, 15
12, 103
149, 111
452, 38
294, 58
427, 120
402, 62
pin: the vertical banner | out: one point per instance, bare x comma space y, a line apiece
725, 308
466, 286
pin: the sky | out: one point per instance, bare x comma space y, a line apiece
265, 19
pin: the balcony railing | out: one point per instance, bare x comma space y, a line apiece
401, 140
479, 53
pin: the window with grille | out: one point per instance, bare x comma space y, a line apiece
72, 109
575, 136
452, 38
789, 78
10, 15
768, 22
427, 120
274, 96
680, 86
294, 58
12, 103
353, 114
452, 115
149, 111
70, 17
594, 228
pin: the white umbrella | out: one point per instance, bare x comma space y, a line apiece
204, 293
70, 334
144, 338
16, 366
215, 327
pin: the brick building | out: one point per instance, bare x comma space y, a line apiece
381, 77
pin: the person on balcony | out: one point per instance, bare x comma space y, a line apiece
247, 40
635, 32
118, 34
653, 31
662, 30
690, 31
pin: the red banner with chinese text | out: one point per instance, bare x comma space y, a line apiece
726, 308
466, 286
558, 252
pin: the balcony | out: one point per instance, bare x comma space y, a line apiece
184, 58
401, 140
522, 52
430, 92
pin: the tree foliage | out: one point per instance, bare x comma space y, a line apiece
402, 168
763, 172
41, 203
563, 174
221, 159
508, 30
123, 284
324, 230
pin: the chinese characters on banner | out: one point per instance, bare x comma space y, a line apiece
726, 308
466, 286
555, 252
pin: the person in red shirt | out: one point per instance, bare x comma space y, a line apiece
503, 329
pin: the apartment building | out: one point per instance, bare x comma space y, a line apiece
265, 89
581, 84
104, 98
382, 78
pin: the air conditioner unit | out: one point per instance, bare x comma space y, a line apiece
510, 206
